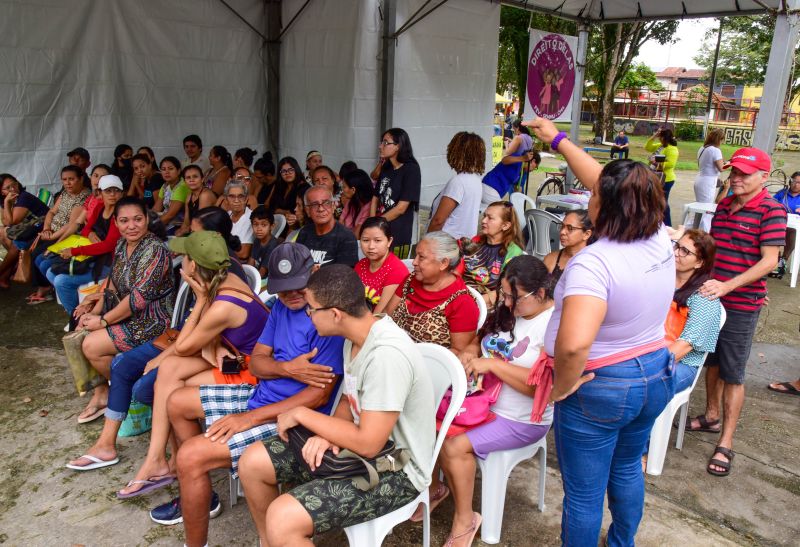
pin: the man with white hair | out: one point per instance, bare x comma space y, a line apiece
328, 241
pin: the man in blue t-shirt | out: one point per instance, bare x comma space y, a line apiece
790, 199
295, 366
621, 145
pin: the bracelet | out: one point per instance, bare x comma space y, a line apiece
560, 137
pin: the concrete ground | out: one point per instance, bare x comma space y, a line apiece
42, 503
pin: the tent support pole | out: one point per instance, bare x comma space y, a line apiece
273, 8
779, 69
577, 92
387, 64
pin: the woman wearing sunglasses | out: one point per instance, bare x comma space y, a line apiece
574, 234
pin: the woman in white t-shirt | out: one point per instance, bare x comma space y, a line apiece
455, 209
510, 342
709, 160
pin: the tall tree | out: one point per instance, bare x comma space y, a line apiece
512, 54
744, 51
612, 48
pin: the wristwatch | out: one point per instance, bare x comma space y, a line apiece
103, 322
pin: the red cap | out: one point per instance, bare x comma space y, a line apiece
750, 160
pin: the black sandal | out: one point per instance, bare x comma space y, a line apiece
726, 466
788, 388
705, 425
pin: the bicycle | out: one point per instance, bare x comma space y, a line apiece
555, 183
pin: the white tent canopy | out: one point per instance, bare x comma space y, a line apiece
610, 11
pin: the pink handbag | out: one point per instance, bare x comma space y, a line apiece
475, 408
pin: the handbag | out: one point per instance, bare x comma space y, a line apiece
72, 266
347, 464
26, 229
24, 268
475, 409
138, 420
166, 338
85, 375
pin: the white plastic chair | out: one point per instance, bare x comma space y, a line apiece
542, 239
495, 470
235, 485
445, 371
482, 311
253, 277
519, 201
409, 262
181, 303
662, 427
279, 226
414, 233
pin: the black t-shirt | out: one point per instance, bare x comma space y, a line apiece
151, 188
339, 246
31, 203
395, 185
260, 253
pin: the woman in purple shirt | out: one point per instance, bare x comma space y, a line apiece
610, 307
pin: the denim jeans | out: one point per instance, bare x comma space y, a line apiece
667, 214
67, 286
126, 369
42, 264
600, 433
684, 376
145, 387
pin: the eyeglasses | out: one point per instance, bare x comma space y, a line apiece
503, 296
310, 310
236, 197
386, 143
682, 251
568, 227
241, 177
287, 171
320, 204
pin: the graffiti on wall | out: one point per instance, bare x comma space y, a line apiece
638, 127
743, 136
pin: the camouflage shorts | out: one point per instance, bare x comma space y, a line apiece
336, 503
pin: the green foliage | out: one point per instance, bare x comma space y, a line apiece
744, 50
688, 131
638, 76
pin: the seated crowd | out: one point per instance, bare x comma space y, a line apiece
244, 369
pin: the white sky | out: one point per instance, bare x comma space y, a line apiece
690, 37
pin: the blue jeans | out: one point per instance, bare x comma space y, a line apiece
67, 286
126, 369
42, 264
145, 387
600, 433
667, 214
684, 376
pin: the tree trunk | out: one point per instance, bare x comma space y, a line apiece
522, 75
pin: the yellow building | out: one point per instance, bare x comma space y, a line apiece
751, 101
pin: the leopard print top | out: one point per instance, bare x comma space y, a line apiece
429, 325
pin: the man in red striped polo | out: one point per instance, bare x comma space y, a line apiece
749, 228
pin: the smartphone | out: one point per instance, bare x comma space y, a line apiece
231, 365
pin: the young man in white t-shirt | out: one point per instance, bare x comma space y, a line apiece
387, 395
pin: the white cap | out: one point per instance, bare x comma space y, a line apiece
110, 181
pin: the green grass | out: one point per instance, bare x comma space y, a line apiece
687, 149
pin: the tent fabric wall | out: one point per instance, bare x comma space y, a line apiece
95, 73
445, 74
444, 82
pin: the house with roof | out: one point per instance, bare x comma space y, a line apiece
678, 78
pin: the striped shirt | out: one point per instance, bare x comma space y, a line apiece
740, 236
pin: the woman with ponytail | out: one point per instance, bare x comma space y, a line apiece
226, 316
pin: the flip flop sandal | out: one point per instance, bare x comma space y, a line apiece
98, 411
148, 485
468, 533
97, 463
35, 299
726, 466
705, 425
441, 493
788, 389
